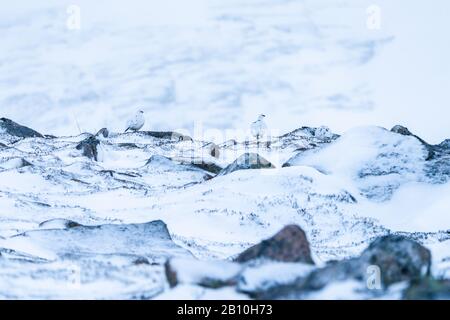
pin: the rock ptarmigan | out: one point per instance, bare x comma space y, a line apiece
259, 128
137, 122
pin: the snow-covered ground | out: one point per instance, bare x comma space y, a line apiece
60, 210
73, 227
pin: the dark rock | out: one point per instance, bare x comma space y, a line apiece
428, 288
171, 135
141, 261
247, 161
186, 164
401, 130
89, 147
127, 145
213, 149
59, 223
398, 258
17, 130
207, 166
171, 274
103, 132
288, 245
25, 163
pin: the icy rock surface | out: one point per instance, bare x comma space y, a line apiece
72, 225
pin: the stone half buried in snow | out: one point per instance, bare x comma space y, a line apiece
288, 245
59, 223
170, 135
247, 161
388, 260
210, 274
428, 288
88, 147
14, 129
398, 258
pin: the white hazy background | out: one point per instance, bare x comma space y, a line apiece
220, 63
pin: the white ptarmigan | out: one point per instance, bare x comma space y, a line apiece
137, 122
259, 127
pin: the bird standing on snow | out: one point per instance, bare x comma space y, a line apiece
137, 122
259, 128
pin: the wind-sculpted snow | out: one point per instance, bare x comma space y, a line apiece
65, 214
378, 161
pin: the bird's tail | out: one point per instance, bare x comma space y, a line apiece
126, 129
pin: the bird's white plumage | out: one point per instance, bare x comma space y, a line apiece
259, 127
137, 122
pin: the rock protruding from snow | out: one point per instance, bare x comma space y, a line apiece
247, 161
88, 147
428, 289
398, 258
288, 245
59, 224
14, 129
170, 135
391, 258
104, 132
210, 274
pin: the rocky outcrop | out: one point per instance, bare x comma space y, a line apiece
208, 166
245, 162
288, 245
17, 130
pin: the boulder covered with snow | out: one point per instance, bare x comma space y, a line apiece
151, 240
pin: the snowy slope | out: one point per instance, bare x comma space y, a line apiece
59, 207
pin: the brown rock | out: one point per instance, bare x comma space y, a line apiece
288, 245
